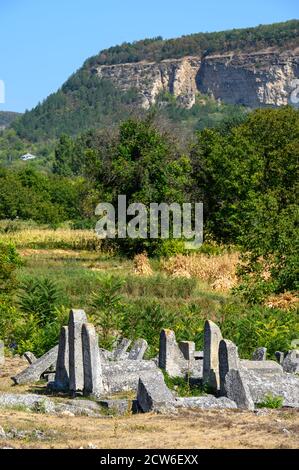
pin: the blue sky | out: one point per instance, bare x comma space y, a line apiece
42, 42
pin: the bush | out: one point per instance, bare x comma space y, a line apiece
9, 262
271, 401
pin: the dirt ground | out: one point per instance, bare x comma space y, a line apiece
193, 429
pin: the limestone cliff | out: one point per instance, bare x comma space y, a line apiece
254, 80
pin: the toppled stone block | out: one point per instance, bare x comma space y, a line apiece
205, 402
29, 356
212, 338
29, 401
282, 385
262, 367
124, 375
118, 407
260, 354
121, 348
291, 362
138, 350
237, 389
154, 395
228, 359
35, 370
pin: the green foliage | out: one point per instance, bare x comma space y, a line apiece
183, 387
7, 117
107, 305
10, 260
40, 297
271, 401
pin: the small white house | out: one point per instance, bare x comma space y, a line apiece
27, 156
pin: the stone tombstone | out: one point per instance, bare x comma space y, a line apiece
33, 372
228, 359
138, 349
212, 338
93, 381
29, 356
188, 349
2, 357
121, 348
260, 354
279, 356
62, 365
154, 395
76, 375
237, 389
291, 361
171, 358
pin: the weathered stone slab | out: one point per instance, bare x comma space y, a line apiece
198, 355
291, 361
154, 395
188, 349
283, 385
237, 389
76, 374
124, 375
279, 356
118, 407
93, 382
171, 358
121, 348
138, 349
62, 366
2, 357
29, 356
212, 338
262, 367
205, 402
228, 359
260, 354
35, 370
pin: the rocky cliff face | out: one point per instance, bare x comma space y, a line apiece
254, 80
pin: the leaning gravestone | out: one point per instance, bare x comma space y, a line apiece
138, 349
237, 389
76, 375
212, 338
62, 381
153, 394
93, 382
2, 357
228, 359
259, 354
121, 348
279, 356
29, 356
171, 358
35, 370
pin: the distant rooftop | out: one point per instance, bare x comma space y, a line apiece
27, 156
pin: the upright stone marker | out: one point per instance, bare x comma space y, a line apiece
171, 358
212, 338
237, 389
291, 361
279, 356
260, 354
188, 349
228, 359
2, 357
76, 374
138, 349
93, 381
62, 366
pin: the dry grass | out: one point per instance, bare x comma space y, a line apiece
142, 265
218, 271
49, 239
284, 301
